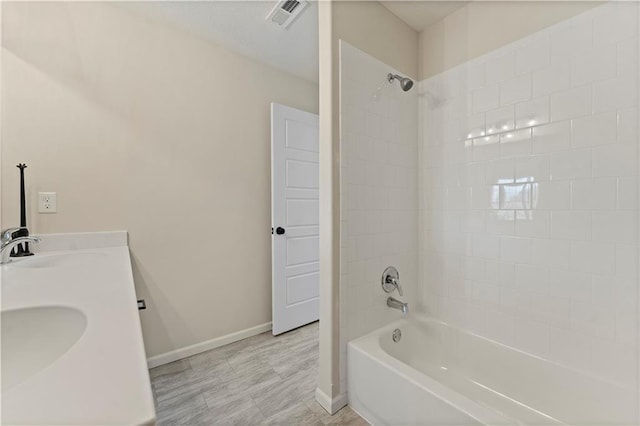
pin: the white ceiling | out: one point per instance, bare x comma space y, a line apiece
241, 26
421, 14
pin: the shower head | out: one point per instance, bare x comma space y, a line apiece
405, 82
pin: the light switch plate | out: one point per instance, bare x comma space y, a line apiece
47, 202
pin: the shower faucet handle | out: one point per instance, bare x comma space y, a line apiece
391, 280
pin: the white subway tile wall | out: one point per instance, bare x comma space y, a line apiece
528, 188
379, 193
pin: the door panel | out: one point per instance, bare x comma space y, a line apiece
295, 207
302, 136
302, 212
302, 288
302, 250
302, 174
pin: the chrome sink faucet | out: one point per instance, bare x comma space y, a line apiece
8, 242
7, 234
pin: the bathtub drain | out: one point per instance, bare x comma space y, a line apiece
397, 335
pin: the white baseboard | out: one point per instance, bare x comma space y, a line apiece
360, 414
331, 405
207, 345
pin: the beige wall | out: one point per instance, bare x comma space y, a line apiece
138, 126
482, 26
372, 28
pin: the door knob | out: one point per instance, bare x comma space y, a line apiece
279, 230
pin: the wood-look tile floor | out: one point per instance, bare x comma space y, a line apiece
262, 380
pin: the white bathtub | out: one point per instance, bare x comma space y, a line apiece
438, 374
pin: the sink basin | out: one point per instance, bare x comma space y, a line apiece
54, 260
34, 338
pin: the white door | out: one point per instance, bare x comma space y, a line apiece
294, 213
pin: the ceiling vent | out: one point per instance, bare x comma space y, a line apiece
286, 11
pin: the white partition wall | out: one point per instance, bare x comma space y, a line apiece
379, 192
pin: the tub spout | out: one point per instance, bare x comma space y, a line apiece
396, 304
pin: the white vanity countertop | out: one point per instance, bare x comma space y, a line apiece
103, 378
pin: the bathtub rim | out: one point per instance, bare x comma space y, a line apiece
369, 344
423, 317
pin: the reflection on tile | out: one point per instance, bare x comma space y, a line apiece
532, 113
515, 144
515, 197
475, 126
500, 120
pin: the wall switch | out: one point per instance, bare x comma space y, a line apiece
47, 202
